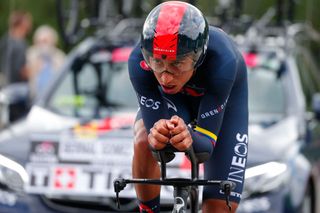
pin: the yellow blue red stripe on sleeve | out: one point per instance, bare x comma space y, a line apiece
213, 138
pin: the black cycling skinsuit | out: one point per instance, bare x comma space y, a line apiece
216, 96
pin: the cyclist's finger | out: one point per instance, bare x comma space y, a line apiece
170, 125
183, 145
161, 127
179, 128
156, 135
177, 138
156, 144
180, 137
175, 120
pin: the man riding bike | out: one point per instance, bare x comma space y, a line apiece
191, 84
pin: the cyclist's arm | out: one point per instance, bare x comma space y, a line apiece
211, 110
151, 103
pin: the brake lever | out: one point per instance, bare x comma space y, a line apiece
119, 184
227, 187
227, 191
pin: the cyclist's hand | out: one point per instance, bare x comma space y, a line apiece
180, 136
159, 135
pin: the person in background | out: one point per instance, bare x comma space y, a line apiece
13, 48
44, 59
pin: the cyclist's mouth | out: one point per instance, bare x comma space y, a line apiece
168, 89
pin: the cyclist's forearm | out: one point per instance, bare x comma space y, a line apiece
201, 143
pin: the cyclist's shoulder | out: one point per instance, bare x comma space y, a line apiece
222, 57
216, 30
217, 34
219, 41
138, 68
221, 48
136, 54
135, 58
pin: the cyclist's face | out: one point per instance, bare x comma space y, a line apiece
175, 67
172, 74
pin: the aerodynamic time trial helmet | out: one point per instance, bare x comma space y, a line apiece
173, 30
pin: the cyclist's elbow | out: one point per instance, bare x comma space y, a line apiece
140, 136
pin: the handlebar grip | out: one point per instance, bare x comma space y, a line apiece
167, 153
227, 186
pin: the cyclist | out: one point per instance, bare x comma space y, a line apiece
185, 72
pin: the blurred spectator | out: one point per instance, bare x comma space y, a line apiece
44, 59
13, 48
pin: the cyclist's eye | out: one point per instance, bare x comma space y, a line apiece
176, 64
156, 61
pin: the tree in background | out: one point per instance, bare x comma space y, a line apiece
44, 12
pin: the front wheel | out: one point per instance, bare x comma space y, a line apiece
194, 199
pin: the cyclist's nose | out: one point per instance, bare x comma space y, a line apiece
166, 78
